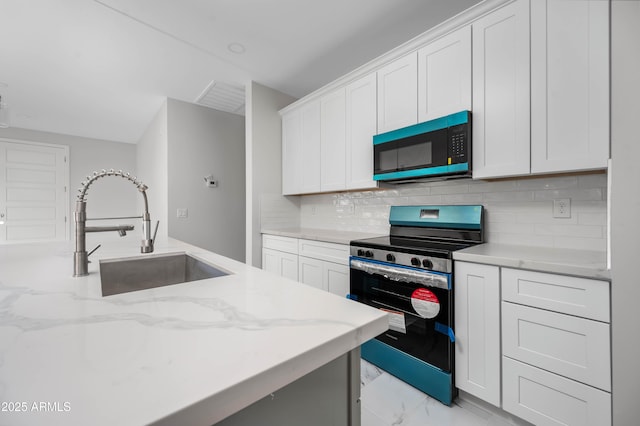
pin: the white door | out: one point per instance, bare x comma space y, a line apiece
332, 141
501, 98
362, 122
34, 201
398, 93
569, 85
444, 75
310, 272
477, 327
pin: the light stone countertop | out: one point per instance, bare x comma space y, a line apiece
580, 263
188, 354
327, 235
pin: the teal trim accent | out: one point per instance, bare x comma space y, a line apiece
424, 127
419, 374
458, 118
424, 172
464, 217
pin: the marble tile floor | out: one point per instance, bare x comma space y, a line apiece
388, 401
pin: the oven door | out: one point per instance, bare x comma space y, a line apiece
419, 304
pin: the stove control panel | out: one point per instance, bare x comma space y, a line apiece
413, 260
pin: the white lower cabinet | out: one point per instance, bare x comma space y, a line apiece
535, 344
477, 329
280, 255
316, 263
281, 263
556, 365
544, 398
327, 276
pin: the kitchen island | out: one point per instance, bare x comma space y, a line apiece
222, 349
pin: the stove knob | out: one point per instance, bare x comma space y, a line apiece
427, 263
415, 261
368, 253
360, 252
391, 258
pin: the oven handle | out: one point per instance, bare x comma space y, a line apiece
402, 274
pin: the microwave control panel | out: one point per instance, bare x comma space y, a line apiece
458, 144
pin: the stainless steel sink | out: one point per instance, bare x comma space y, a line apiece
144, 272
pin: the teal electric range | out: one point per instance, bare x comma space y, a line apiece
409, 274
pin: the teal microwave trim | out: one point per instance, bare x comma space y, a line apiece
455, 216
424, 127
419, 374
423, 172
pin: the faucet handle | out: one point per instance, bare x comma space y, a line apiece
91, 252
155, 231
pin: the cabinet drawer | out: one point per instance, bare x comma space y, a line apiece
574, 347
276, 242
544, 398
331, 252
569, 295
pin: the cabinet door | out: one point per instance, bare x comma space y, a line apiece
280, 263
292, 152
444, 75
310, 159
501, 98
337, 278
398, 94
362, 120
569, 85
477, 329
333, 141
544, 398
310, 272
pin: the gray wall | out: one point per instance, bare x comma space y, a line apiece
625, 208
106, 197
152, 162
203, 141
263, 159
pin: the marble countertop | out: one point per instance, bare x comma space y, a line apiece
190, 353
581, 263
327, 235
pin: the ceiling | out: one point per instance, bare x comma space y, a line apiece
102, 68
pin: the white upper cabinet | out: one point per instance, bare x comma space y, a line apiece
569, 85
301, 149
444, 75
361, 116
291, 152
501, 98
333, 141
398, 93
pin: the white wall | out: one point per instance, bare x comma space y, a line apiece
519, 211
264, 165
106, 197
203, 141
625, 210
152, 162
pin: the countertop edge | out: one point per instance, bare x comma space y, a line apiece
579, 263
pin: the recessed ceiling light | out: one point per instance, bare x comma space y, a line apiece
236, 48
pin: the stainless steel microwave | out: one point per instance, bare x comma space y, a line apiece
439, 148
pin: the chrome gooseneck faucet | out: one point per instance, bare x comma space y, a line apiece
80, 255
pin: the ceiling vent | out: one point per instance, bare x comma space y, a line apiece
224, 97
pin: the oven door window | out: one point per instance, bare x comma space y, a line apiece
414, 310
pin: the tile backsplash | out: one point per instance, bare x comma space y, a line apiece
518, 211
